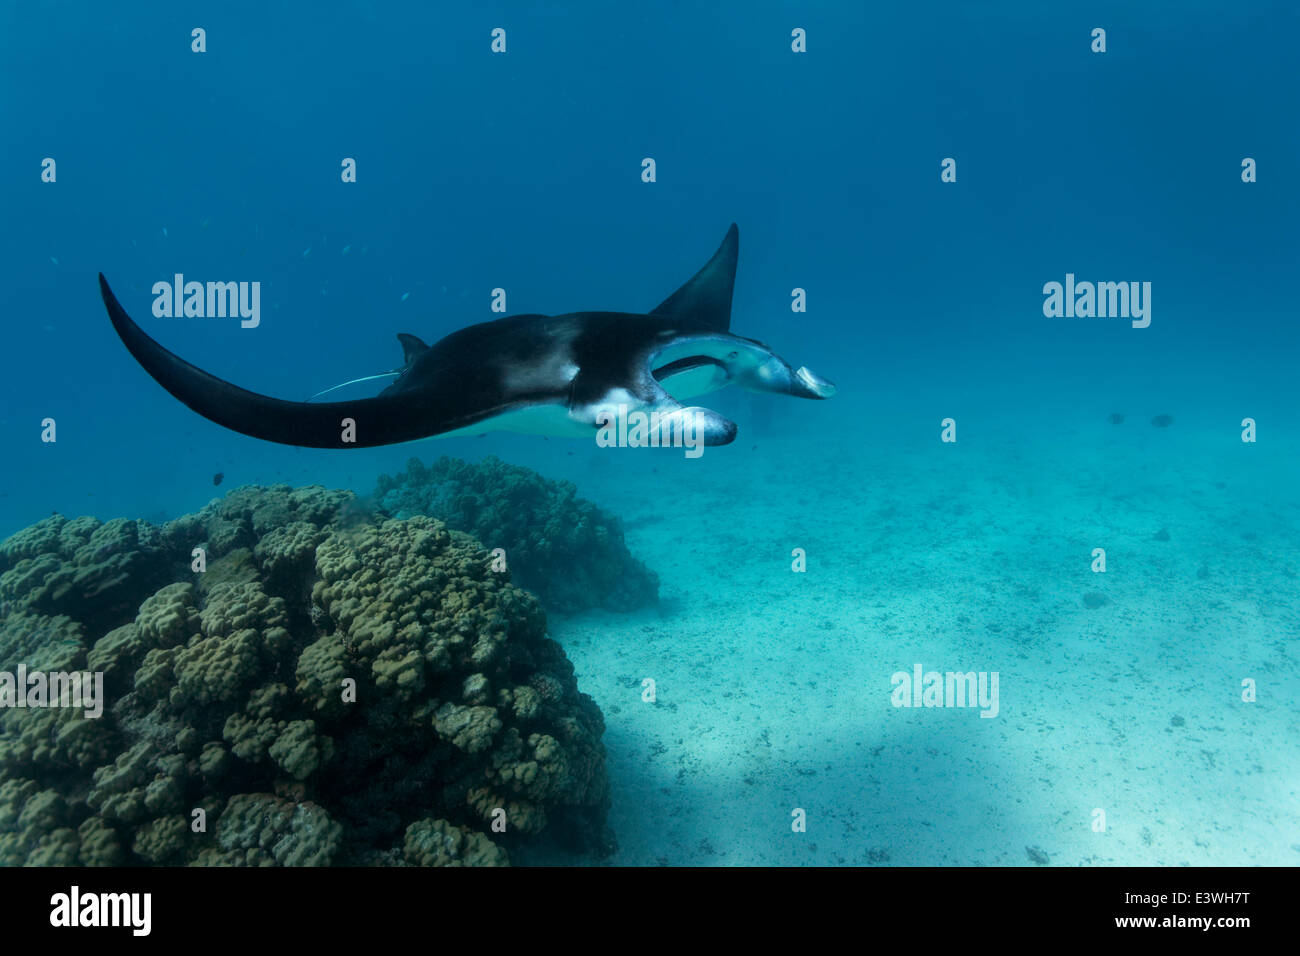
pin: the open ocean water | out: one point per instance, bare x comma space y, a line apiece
1096, 517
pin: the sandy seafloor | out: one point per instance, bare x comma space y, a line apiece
773, 687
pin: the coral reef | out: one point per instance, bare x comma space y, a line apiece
563, 548
331, 688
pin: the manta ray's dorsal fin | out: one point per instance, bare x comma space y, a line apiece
706, 298
412, 347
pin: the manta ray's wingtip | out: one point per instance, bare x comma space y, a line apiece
116, 313
705, 299
730, 246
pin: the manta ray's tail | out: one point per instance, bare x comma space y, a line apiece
363, 423
355, 381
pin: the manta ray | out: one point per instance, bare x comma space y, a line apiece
556, 375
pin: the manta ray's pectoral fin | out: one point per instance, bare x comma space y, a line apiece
363, 423
706, 299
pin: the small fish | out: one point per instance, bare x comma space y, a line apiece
306, 252
1116, 418
1162, 421
346, 250
54, 260
205, 224
405, 296
218, 478
164, 230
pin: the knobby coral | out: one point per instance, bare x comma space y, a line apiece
562, 547
328, 688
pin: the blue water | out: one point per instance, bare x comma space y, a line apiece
925, 299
